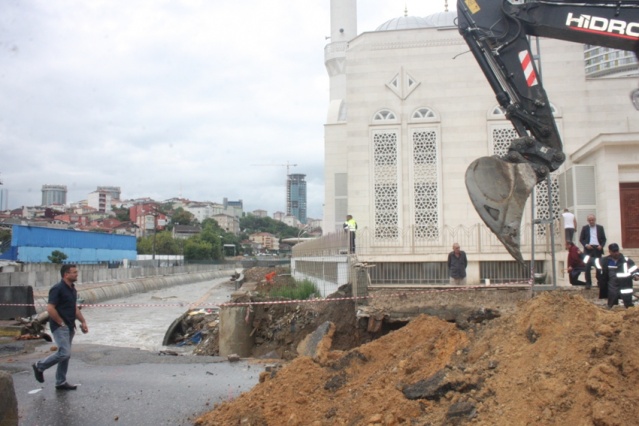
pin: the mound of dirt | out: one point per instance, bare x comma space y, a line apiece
281, 277
558, 360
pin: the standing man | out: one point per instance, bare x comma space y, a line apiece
350, 226
575, 265
617, 274
593, 239
570, 224
457, 263
63, 311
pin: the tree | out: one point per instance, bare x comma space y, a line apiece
182, 217
57, 257
145, 245
211, 234
196, 249
166, 244
251, 224
122, 214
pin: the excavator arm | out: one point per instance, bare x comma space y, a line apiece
496, 32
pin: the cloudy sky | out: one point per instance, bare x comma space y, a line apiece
200, 99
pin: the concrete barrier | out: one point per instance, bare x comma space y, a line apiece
8, 401
235, 332
16, 295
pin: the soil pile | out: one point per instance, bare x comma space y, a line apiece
281, 277
558, 359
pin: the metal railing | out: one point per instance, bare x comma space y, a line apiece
473, 239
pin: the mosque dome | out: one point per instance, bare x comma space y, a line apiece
436, 20
404, 23
442, 19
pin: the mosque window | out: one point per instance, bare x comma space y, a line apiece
403, 84
424, 114
425, 185
341, 115
386, 185
384, 115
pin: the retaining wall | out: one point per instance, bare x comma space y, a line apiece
45, 277
99, 292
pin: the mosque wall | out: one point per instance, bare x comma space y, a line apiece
446, 79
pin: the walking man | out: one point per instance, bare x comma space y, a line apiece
593, 239
457, 263
617, 273
63, 311
350, 226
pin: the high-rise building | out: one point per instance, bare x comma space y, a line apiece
234, 208
54, 195
296, 196
4, 199
113, 190
100, 200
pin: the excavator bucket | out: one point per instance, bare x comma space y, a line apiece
499, 191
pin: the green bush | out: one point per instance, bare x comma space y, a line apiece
297, 291
57, 257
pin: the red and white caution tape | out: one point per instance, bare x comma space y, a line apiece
200, 304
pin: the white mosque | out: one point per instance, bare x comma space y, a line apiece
410, 110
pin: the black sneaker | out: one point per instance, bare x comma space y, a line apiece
38, 374
66, 386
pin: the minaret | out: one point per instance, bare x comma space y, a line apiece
343, 29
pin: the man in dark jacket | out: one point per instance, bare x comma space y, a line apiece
457, 263
593, 239
617, 273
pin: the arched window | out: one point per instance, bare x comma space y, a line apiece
384, 116
424, 114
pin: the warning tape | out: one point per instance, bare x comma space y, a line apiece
284, 302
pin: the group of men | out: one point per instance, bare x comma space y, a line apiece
615, 272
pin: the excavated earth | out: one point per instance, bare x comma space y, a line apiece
279, 328
557, 359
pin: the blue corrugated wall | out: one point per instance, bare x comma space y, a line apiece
35, 244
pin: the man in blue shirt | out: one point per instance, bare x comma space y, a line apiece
63, 311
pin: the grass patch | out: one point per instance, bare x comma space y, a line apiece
299, 290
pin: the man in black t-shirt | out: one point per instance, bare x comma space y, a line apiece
63, 311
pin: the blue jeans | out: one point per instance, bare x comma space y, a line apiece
63, 336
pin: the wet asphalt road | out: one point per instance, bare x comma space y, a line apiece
123, 386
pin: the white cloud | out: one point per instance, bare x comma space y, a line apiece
168, 98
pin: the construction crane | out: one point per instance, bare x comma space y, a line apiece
288, 166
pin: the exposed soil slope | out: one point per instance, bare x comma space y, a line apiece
558, 360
